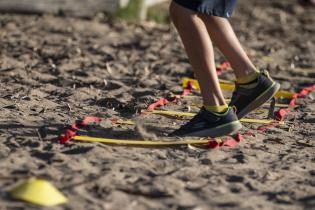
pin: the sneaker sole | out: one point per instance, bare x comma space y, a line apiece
260, 100
223, 130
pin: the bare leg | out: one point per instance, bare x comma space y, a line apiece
225, 39
199, 49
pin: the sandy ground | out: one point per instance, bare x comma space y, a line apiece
55, 70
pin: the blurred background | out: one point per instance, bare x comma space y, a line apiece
131, 10
127, 9
63, 60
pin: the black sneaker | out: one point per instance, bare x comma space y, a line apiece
248, 99
208, 124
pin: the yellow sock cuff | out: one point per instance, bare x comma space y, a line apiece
248, 78
218, 109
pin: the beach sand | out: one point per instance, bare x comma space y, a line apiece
56, 70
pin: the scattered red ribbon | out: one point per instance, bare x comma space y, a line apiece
164, 101
230, 142
280, 115
222, 67
161, 102
188, 89
72, 131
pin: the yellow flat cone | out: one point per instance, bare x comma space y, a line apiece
38, 191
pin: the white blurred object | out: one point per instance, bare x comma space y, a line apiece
123, 3
80, 8
150, 3
146, 5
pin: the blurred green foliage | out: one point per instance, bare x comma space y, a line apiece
132, 12
159, 13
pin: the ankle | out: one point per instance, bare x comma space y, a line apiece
217, 109
248, 78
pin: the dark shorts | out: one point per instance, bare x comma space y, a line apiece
221, 8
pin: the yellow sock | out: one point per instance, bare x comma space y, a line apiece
248, 78
217, 109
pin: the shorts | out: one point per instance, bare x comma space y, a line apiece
220, 8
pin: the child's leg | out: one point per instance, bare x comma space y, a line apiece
253, 88
225, 39
199, 49
215, 118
